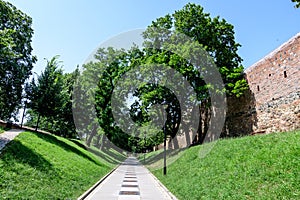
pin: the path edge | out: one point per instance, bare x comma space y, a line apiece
91, 189
170, 194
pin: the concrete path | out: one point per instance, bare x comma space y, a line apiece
131, 181
8, 136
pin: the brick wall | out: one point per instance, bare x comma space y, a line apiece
278, 74
275, 84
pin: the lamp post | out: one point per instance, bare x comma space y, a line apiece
144, 146
165, 146
165, 153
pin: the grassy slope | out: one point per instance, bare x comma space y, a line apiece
38, 166
254, 167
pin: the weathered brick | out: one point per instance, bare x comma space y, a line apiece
274, 92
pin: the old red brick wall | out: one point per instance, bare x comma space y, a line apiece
275, 83
277, 74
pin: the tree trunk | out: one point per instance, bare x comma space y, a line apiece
200, 130
37, 123
102, 142
97, 144
93, 133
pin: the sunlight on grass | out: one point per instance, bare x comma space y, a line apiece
39, 166
253, 167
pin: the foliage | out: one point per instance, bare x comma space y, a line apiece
113, 64
64, 123
214, 35
253, 167
40, 166
50, 99
16, 60
297, 3
1, 129
46, 95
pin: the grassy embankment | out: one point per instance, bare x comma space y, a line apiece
253, 167
40, 166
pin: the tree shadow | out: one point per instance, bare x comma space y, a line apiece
16, 152
105, 154
241, 115
53, 140
157, 157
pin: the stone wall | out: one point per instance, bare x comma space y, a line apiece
274, 82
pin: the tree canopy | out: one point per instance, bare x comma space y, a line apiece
50, 97
16, 60
164, 38
297, 3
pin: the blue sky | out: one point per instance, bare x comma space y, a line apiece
74, 28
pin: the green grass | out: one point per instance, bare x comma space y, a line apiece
110, 156
1, 129
253, 167
40, 166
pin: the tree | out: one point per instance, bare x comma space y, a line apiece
16, 60
214, 35
47, 94
297, 3
64, 123
61, 122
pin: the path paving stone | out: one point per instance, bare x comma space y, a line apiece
131, 181
8, 136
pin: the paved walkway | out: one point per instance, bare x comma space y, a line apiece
131, 181
8, 136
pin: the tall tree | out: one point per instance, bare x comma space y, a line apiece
16, 60
62, 123
47, 94
214, 35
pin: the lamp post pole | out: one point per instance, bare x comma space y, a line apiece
144, 146
165, 153
165, 146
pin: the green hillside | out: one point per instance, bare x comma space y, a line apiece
39, 166
253, 167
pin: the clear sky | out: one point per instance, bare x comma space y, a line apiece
74, 28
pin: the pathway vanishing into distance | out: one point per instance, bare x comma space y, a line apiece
8, 136
130, 181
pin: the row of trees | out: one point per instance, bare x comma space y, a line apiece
49, 96
214, 35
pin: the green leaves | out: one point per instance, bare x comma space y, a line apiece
47, 95
188, 41
297, 3
16, 60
